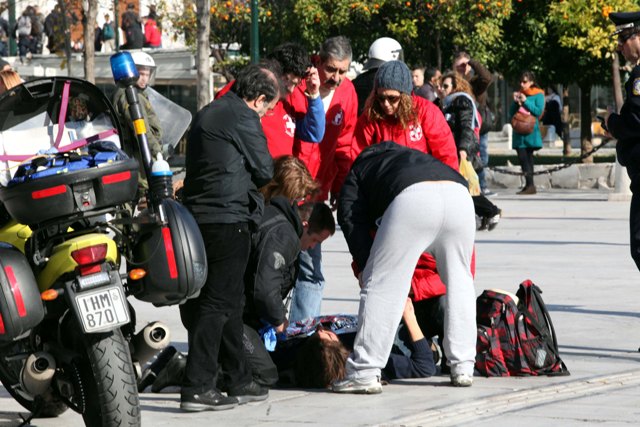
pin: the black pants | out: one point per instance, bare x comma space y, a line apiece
214, 319
430, 316
634, 227
525, 156
483, 207
263, 370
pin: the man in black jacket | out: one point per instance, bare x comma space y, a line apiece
271, 273
227, 161
417, 204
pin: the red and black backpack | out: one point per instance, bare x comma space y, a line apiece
516, 339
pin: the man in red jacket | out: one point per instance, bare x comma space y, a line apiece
328, 161
304, 120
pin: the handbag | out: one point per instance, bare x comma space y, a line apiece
523, 123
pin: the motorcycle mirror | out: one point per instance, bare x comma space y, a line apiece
123, 69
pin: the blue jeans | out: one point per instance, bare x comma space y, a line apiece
306, 299
484, 157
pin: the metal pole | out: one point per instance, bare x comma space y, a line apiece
255, 42
116, 24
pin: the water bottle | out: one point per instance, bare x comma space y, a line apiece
161, 179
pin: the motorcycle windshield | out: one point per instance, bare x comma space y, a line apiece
52, 114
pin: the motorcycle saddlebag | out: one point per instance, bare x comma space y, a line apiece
173, 257
20, 305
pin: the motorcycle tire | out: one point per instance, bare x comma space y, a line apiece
110, 376
46, 406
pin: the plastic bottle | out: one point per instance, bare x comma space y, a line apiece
161, 178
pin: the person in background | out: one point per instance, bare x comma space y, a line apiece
4, 37
417, 204
381, 50
625, 126
528, 100
429, 89
225, 165
108, 35
132, 28
459, 108
152, 29
328, 161
553, 110
480, 79
97, 43
417, 75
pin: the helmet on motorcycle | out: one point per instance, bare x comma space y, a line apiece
144, 60
383, 50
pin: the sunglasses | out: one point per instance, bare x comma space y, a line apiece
445, 86
622, 38
391, 98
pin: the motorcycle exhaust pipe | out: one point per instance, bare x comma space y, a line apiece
148, 341
37, 373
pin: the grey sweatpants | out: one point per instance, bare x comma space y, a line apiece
433, 217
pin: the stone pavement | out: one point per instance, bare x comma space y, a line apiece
573, 244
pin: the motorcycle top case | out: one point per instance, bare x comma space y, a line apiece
20, 305
173, 257
60, 115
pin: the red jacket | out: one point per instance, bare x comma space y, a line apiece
329, 161
280, 127
152, 33
431, 134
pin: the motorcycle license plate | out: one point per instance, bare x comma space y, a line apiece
102, 309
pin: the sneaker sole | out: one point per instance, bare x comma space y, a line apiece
246, 399
367, 390
199, 407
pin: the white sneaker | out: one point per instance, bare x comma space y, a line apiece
357, 386
461, 380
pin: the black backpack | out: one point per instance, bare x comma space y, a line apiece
516, 340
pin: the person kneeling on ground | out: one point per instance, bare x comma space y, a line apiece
419, 205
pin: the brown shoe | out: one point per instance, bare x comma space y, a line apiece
531, 189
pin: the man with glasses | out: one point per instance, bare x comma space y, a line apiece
285, 121
328, 161
625, 127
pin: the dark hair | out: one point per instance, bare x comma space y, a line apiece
529, 75
321, 219
292, 57
430, 72
319, 363
337, 47
254, 80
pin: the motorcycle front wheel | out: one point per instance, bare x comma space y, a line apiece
109, 375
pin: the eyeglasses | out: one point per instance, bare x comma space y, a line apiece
391, 98
622, 38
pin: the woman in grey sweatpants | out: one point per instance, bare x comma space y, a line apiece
422, 206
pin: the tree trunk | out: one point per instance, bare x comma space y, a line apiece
90, 8
585, 123
617, 87
203, 49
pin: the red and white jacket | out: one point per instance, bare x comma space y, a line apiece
329, 161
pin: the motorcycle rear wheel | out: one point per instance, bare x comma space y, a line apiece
109, 375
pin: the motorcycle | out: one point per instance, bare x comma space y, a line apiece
67, 330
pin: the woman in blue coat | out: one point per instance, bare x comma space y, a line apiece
528, 100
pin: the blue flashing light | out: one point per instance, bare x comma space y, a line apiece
123, 69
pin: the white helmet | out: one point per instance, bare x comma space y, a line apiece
383, 50
143, 59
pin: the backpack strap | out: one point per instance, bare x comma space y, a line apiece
63, 112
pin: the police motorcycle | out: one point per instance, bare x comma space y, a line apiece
67, 330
